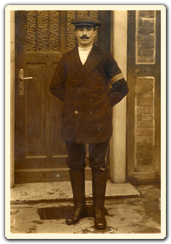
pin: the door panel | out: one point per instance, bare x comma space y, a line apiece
41, 39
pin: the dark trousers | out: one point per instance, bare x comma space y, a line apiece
77, 154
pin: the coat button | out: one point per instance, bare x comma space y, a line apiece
90, 100
91, 112
76, 112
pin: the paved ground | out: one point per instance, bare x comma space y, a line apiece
124, 215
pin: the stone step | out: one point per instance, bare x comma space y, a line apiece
59, 191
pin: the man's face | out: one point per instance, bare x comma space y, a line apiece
85, 35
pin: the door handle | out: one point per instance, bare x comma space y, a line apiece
21, 81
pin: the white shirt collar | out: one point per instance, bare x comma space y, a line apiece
86, 49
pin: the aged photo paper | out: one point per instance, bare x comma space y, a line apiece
38, 192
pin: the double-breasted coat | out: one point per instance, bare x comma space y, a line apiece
88, 93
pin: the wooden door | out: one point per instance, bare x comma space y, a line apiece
41, 39
143, 114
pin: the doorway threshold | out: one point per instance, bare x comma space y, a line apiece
61, 191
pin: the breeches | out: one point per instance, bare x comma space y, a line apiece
77, 154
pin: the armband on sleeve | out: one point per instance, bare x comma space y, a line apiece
116, 78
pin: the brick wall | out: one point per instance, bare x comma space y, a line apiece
145, 53
144, 123
145, 37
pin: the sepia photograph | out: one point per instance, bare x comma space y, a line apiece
85, 93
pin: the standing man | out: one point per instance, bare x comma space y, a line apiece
81, 80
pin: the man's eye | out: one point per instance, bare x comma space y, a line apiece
89, 29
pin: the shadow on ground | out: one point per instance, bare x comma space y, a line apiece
62, 212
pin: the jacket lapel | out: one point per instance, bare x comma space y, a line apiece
82, 71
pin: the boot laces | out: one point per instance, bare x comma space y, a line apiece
78, 209
99, 212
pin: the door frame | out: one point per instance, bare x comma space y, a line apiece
118, 140
120, 53
11, 83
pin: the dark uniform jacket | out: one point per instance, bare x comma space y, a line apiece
88, 101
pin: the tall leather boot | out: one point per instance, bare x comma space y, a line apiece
77, 178
99, 179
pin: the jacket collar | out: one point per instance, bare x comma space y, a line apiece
82, 71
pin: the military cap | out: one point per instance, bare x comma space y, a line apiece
88, 21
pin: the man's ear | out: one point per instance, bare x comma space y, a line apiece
95, 32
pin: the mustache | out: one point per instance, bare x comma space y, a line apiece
84, 37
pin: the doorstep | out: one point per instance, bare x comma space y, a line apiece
59, 191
